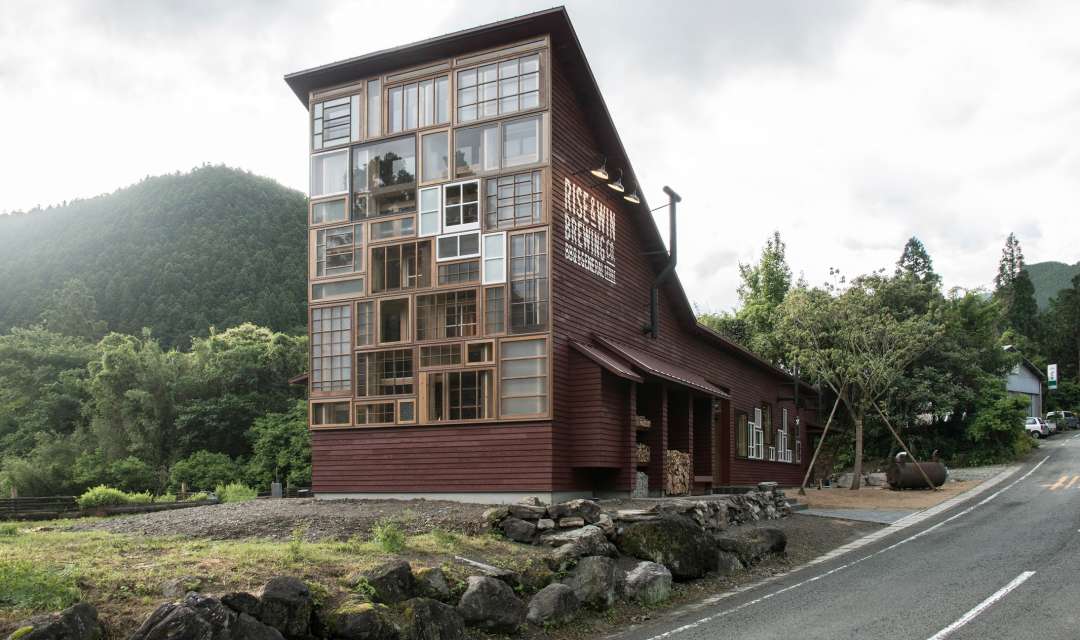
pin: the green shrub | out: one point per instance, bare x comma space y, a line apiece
204, 470
388, 536
165, 498
9, 529
296, 543
132, 474
102, 496
235, 492
198, 496
27, 585
140, 498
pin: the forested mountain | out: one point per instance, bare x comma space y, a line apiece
1049, 278
177, 253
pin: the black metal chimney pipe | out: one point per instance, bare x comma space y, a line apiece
654, 304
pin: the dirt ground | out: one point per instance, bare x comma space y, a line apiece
880, 498
277, 519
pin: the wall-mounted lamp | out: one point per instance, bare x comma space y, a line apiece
617, 184
632, 197
601, 171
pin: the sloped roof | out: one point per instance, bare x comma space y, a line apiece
566, 47
606, 360
663, 369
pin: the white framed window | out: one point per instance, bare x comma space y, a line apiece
783, 443
329, 173
772, 453
430, 211
461, 206
757, 437
522, 142
457, 245
494, 258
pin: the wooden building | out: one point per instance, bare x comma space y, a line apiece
481, 313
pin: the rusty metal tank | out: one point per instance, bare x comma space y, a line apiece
904, 475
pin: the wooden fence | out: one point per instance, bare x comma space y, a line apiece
38, 508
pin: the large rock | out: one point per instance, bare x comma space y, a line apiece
366, 621
648, 583
753, 545
511, 578
286, 604
555, 604
587, 510
527, 511
518, 530
431, 583
587, 541
728, 563
78, 622
174, 588
200, 617
490, 604
595, 581
494, 515
427, 619
391, 582
675, 542
241, 602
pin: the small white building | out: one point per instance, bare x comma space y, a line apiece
1026, 380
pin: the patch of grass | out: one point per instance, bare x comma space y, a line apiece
445, 538
235, 492
140, 498
9, 529
198, 497
102, 496
32, 586
296, 543
388, 536
165, 497
364, 589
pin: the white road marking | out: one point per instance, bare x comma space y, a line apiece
861, 542
983, 606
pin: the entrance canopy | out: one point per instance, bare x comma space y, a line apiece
626, 357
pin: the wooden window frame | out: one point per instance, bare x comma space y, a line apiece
543, 142
484, 258
372, 304
493, 362
401, 80
370, 193
334, 425
436, 294
494, 210
485, 310
546, 289
408, 324
350, 377
381, 397
356, 99
369, 403
331, 223
744, 430
767, 425
436, 345
420, 181
497, 57
413, 402
420, 211
370, 228
348, 174
458, 285
431, 273
322, 282
359, 249
547, 355
459, 257
422, 396
757, 436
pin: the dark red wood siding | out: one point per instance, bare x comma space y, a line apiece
585, 305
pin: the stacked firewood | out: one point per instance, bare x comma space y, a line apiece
641, 423
641, 456
677, 473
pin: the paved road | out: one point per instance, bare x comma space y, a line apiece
1004, 563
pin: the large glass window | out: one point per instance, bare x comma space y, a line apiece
461, 206
384, 373
523, 388
331, 349
384, 178
466, 272
339, 250
401, 266
458, 245
330, 413
446, 315
528, 282
374, 109
365, 323
335, 122
494, 258
514, 200
393, 320
430, 211
440, 355
494, 310
742, 435
392, 229
435, 154
476, 150
766, 424
460, 395
329, 173
521, 142
373, 413
329, 211
337, 289
499, 88
419, 104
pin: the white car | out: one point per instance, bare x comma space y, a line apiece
1037, 428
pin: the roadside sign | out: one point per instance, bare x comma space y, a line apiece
1051, 376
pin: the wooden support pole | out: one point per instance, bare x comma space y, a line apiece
817, 449
904, 446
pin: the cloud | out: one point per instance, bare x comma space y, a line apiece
847, 125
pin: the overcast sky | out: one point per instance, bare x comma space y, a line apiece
847, 126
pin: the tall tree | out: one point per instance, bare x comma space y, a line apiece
855, 344
1015, 292
764, 286
72, 311
915, 263
1062, 331
1010, 264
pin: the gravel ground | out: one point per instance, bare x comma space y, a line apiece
976, 473
276, 519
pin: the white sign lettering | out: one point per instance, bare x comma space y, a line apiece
590, 232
